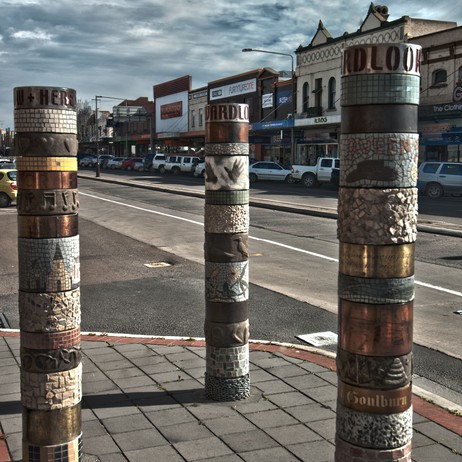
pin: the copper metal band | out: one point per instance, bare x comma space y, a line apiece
50, 340
44, 428
377, 261
226, 248
220, 334
375, 330
47, 180
230, 132
47, 202
47, 227
391, 118
227, 312
46, 144
383, 372
375, 290
53, 164
47, 361
375, 401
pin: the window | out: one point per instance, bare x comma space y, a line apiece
318, 92
306, 97
332, 84
439, 76
430, 168
201, 117
450, 169
326, 163
459, 79
193, 118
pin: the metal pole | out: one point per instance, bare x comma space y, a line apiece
226, 223
49, 273
377, 228
98, 169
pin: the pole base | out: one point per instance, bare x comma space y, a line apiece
221, 389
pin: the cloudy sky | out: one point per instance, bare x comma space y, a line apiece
122, 48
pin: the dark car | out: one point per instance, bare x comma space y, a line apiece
335, 177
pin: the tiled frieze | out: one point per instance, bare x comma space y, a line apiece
52, 164
226, 173
48, 202
227, 149
219, 219
226, 282
227, 362
45, 144
70, 451
45, 120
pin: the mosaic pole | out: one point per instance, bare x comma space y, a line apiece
49, 276
226, 222
377, 227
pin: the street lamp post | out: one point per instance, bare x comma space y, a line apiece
292, 134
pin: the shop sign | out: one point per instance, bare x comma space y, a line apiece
171, 110
267, 100
234, 89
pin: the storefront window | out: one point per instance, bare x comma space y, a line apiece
308, 154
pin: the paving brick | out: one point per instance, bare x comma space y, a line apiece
94, 376
306, 382
325, 428
293, 434
124, 373
268, 419
273, 386
435, 453
249, 441
311, 413
295, 398
171, 376
157, 454
114, 364
182, 385
93, 428
435, 431
228, 425
319, 451
212, 410
202, 449
158, 403
173, 416
260, 375
90, 388
323, 394
262, 405
126, 423
185, 432
140, 439
99, 445
268, 363
290, 370
269, 455
114, 457
148, 360
121, 408
133, 382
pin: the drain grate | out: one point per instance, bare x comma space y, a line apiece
157, 264
4, 324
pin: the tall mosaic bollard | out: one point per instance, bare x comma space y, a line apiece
377, 226
226, 222
49, 274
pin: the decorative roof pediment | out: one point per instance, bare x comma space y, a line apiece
322, 35
374, 18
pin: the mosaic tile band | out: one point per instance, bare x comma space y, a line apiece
346, 452
225, 335
376, 216
45, 121
379, 291
46, 428
49, 164
227, 149
377, 261
380, 89
226, 312
379, 330
45, 144
226, 282
47, 202
227, 362
48, 227
374, 430
67, 452
375, 401
222, 389
51, 391
232, 197
51, 340
49, 312
49, 265
45, 97
221, 219
231, 132
382, 372
226, 248
46, 361
46, 180
373, 160
392, 118
226, 173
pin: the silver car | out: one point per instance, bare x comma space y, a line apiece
438, 178
266, 170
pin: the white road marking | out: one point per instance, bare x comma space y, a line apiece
279, 244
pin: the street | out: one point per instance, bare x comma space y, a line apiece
293, 271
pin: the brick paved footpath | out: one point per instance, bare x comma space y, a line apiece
144, 401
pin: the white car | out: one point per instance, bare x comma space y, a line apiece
266, 170
115, 162
200, 169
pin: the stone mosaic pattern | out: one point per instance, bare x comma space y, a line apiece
345, 451
225, 335
226, 218
226, 173
372, 160
227, 197
45, 120
51, 202
372, 430
44, 144
227, 149
374, 371
47, 361
227, 282
377, 217
49, 312
57, 164
51, 391
380, 291
49, 265
220, 389
67, 452
227, 362
380, 89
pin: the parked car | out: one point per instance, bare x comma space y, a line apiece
115, 162
200, 169
313, 175
178, 164
153, 162
132, 163
438, 178
88, 161
264, 170
104, 159
8, 187
335, 177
